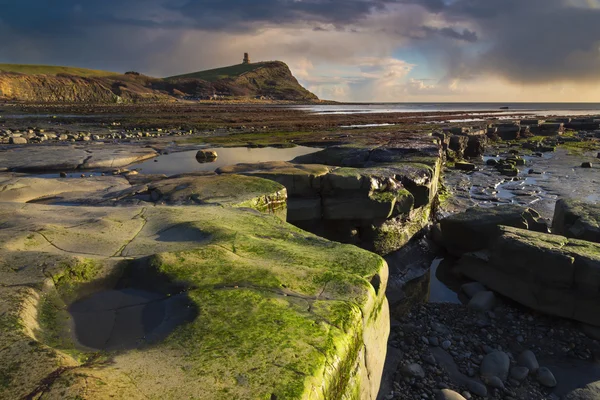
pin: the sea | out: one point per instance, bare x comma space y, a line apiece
531, 109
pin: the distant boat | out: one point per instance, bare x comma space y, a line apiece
504, 108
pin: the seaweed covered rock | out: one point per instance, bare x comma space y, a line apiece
376, 198
276, 312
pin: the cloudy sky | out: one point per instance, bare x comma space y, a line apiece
352, 50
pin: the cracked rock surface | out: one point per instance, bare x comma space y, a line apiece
281, 313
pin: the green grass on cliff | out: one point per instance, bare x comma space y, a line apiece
31, 69
216, 74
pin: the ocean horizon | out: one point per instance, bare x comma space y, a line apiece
541, 109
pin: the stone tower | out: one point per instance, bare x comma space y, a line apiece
246, 59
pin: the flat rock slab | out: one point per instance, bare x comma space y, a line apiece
67, 158
282, 313
300, 180
22, 188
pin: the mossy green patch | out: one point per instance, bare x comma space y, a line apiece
75, 273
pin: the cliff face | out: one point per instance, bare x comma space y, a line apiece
76, 89
272, 80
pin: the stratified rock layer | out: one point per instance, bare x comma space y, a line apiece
548, 273
377, 198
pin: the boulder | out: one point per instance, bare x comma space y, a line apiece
204, 156
477, 227
476, 146
549, 273
495, 364
576, 219
458, 144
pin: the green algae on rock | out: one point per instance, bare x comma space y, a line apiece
281, 313
375, 197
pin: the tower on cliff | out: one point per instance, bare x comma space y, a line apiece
246, 59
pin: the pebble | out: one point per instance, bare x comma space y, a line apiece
447, 394
477, 388
519, 373
529, 360
483, 301
471, 289
430, 359
495, 382
413, 370
446, 344
546, 377
495, 364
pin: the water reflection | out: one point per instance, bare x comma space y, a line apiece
185, 162
444, 285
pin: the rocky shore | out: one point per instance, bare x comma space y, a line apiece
265, 279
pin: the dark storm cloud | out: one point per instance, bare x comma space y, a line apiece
232, 15
525, 41
466, 34
532, 41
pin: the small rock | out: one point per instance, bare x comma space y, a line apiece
546, 377
447, 394
520, 339
446, 344
464, 166
519, 373
413, 371
63, 174
471, 289
528, 359
586, 165
17, 140
495, 382
495, 364
429, 359
477, 388
483, 301
434, 341
491, 162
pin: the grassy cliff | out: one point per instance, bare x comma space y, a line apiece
50, 84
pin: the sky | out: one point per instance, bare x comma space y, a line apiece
345, 50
